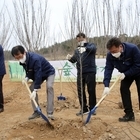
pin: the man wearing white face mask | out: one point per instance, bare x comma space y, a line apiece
22, 60
38, 69
84, 57
117, 55
126, 58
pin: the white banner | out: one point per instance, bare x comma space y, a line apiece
65, 71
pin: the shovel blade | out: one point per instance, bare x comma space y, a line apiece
44, 117
90, 113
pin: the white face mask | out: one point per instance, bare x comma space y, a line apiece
23, 59
81, 43
117, 55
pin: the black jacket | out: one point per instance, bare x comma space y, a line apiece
2, 64
86, 60
37, 68
128, 63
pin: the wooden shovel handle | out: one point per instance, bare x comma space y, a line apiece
118, 78
36, 105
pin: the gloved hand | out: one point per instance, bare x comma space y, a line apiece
68, 56
122, 76
26, 79
82, 43
33, 94
81, 49
106, 91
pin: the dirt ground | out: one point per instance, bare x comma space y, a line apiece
14, 123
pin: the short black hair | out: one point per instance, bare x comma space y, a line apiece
81, 34
15, 50
113, 42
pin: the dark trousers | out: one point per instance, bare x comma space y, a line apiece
89, 80
126, 94
1, 92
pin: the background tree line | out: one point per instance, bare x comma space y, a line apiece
29, 24
58, 51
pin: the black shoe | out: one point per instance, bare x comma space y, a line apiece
1, 110
34, 115
127, 118
80, 113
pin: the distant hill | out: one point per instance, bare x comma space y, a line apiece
60, 50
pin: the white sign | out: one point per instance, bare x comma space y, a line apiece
65, 71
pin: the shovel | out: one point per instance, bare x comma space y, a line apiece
61, 97
38, 109
103, 97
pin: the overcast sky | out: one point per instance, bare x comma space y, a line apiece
58, 12
56, 7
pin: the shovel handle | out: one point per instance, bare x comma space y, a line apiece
60, 70
118, 78
38, 109
36, 105
103, 97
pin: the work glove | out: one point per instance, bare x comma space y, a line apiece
82, 43
81, 49
26, 79
33, 94
122, 76
68, 56
106, 91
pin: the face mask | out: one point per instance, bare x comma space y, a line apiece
23, 59
117, 55
81, 43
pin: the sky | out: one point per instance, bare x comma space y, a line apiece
56, 7
58, 10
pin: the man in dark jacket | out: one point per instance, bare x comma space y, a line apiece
2, 73
38, 69
126, 58
84, 57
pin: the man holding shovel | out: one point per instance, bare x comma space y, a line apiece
126, 58
38, 69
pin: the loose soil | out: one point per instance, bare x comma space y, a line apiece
14, 123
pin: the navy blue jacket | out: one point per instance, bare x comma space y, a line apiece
37, 68
128, 63
2, 64
87, 59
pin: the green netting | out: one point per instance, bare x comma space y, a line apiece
16, 72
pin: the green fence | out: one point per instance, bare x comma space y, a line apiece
16, 72
69, 72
